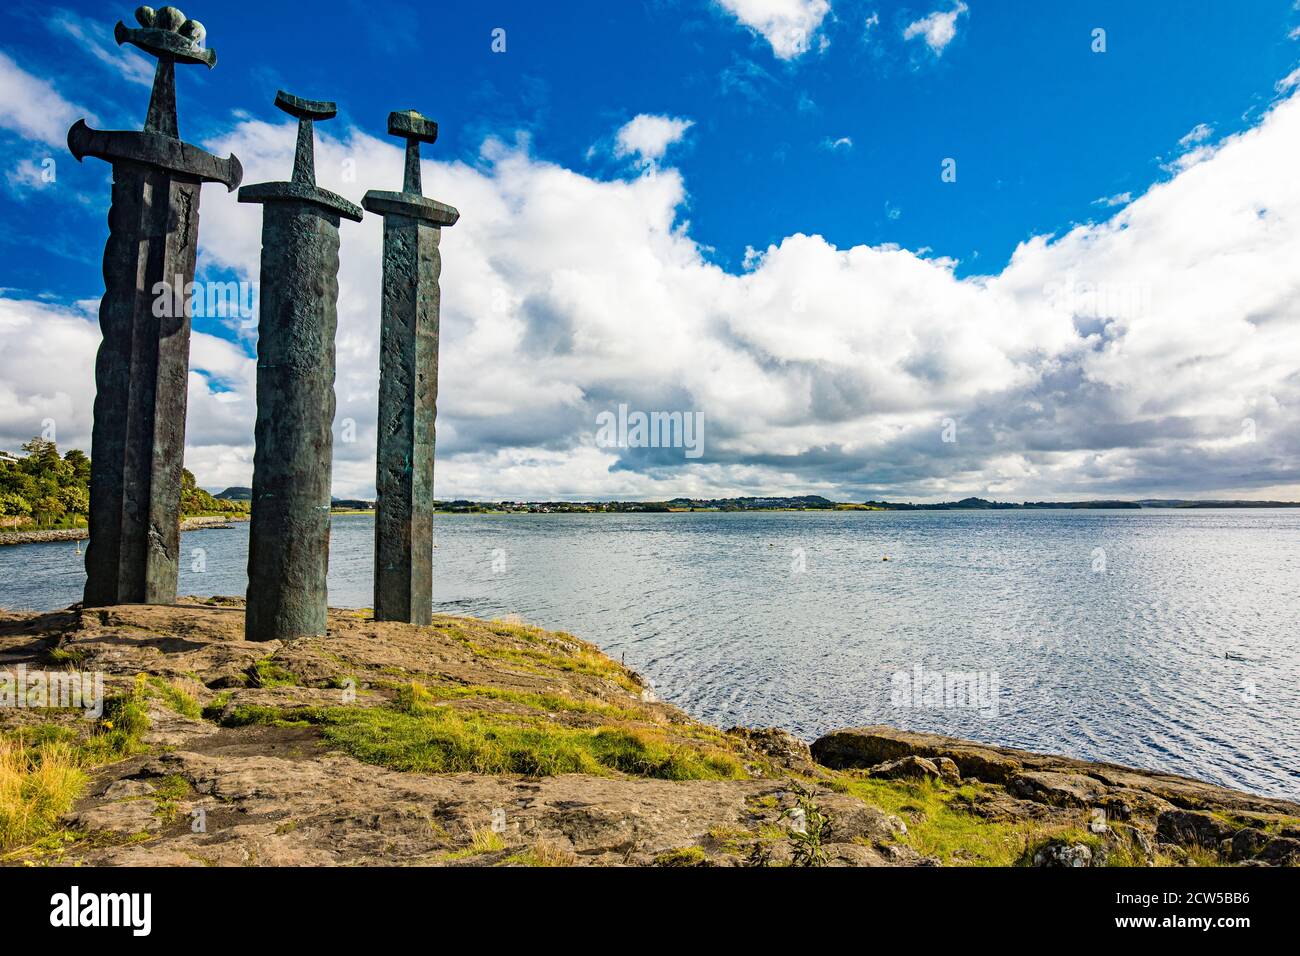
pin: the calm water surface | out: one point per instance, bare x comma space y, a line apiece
1183, 654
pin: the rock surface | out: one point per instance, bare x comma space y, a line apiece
256, 779
1140, 809
208, 794
910, 767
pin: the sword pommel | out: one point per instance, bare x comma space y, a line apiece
167, 34
412, 125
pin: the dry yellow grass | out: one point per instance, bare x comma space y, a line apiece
37, 786
485, 840
543, 853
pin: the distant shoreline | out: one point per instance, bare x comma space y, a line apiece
772, 503
819, 503
211, 522
50, 535
837, 507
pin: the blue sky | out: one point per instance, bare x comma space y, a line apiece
839, 135
1040, 125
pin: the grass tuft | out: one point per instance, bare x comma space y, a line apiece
416, 736
683, 856
541, 853
266, 673
167, 794
481, 840
176, 698
38, 784
940, 823
42, 768
65, 657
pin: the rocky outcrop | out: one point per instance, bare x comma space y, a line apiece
1064, 855
1139, 814
866, 746
493, 743
785, 749
275, 799
238, 767
912, 768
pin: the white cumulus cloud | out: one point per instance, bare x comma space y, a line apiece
938, 28
648, 137
790, 26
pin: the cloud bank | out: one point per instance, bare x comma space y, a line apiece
1153, 353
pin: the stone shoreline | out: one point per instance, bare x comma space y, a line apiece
197, 523
472, 742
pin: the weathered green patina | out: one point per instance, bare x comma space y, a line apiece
288, 546
408, 383
141, 372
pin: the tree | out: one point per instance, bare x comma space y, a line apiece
75, 499
14, 505
41, 452
79, 463
194, 500
48, 509
44, 485
48, 487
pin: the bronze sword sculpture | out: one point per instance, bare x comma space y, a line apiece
141, 372
408, 383
288, 539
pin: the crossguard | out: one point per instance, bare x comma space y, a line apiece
411, 202
154, 149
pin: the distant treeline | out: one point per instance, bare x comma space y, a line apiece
463, 506
816, 503
982, 504
45, 489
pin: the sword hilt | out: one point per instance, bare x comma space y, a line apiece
416, 128
307, 111
302, 187
172, 38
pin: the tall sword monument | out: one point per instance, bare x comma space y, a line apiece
408, 383
288, 543
141, 372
